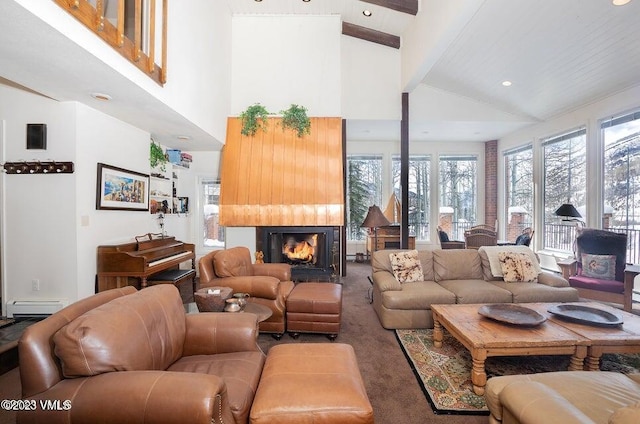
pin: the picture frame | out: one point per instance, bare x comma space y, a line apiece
121, 189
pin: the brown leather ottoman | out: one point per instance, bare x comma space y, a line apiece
315, 308
305, 383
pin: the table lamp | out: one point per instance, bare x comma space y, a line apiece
375, 219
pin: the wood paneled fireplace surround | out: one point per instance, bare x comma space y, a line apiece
312, 252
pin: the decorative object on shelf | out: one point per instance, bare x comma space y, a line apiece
121, 189
296, 119
259, 257
161, 223
37, 167
254, 118
157, 157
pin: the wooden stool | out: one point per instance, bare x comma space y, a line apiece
315, 308
311, 383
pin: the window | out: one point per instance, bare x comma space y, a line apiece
565, 172
458, 177
364, 189
621, 136
213, 233
518, 177
418, 193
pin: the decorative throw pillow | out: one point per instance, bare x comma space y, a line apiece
517, 267
599, 266
406, 266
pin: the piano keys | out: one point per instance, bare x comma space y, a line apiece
135, 263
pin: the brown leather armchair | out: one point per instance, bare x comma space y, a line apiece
128, 356
268, 284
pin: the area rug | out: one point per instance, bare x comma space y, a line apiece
445, 373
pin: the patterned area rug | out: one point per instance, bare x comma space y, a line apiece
445, 373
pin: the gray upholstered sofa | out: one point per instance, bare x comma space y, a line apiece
456, 276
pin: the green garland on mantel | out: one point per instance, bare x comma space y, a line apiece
296, 119
254, 118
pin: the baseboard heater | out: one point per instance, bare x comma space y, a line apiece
34, 308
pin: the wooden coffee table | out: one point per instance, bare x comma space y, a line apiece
617, 339
484, 337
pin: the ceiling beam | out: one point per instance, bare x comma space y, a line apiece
372, 35
404, 6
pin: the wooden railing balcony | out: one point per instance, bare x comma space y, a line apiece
129, 26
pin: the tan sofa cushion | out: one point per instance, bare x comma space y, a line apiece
476, 291
627, 415
457, 264
96, 343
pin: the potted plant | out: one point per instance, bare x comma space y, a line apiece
254, 118
296, 118
157, 157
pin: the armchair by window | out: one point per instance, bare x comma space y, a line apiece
268, 284
599, 270
480, 235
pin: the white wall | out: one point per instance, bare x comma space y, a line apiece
370, 80
38, 220
280, 60
101, 138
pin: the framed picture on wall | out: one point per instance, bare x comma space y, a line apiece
121, 189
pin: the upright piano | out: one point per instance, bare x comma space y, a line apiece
150, 258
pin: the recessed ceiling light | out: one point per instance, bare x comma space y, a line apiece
506, 83
101, 96
257, 1
183, 137
366, 13
306, 1
620, 2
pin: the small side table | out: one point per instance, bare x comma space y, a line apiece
630, 273
263, 312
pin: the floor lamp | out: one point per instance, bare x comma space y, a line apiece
374, 219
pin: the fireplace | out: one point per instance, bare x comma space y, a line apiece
312, 252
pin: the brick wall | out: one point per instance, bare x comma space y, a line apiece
491, 182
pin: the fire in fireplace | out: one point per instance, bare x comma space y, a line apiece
309, 250
298, 251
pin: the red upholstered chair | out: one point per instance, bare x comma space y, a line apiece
600, 277
268, 284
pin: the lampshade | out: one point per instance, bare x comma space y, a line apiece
568, 210
375, 218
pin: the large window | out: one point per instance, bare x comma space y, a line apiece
213, 233
458, 191
621, 136
364, 189
518, 177
565, 172
418, 193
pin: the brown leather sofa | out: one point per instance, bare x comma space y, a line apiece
128, 356
268, 284
566, 397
